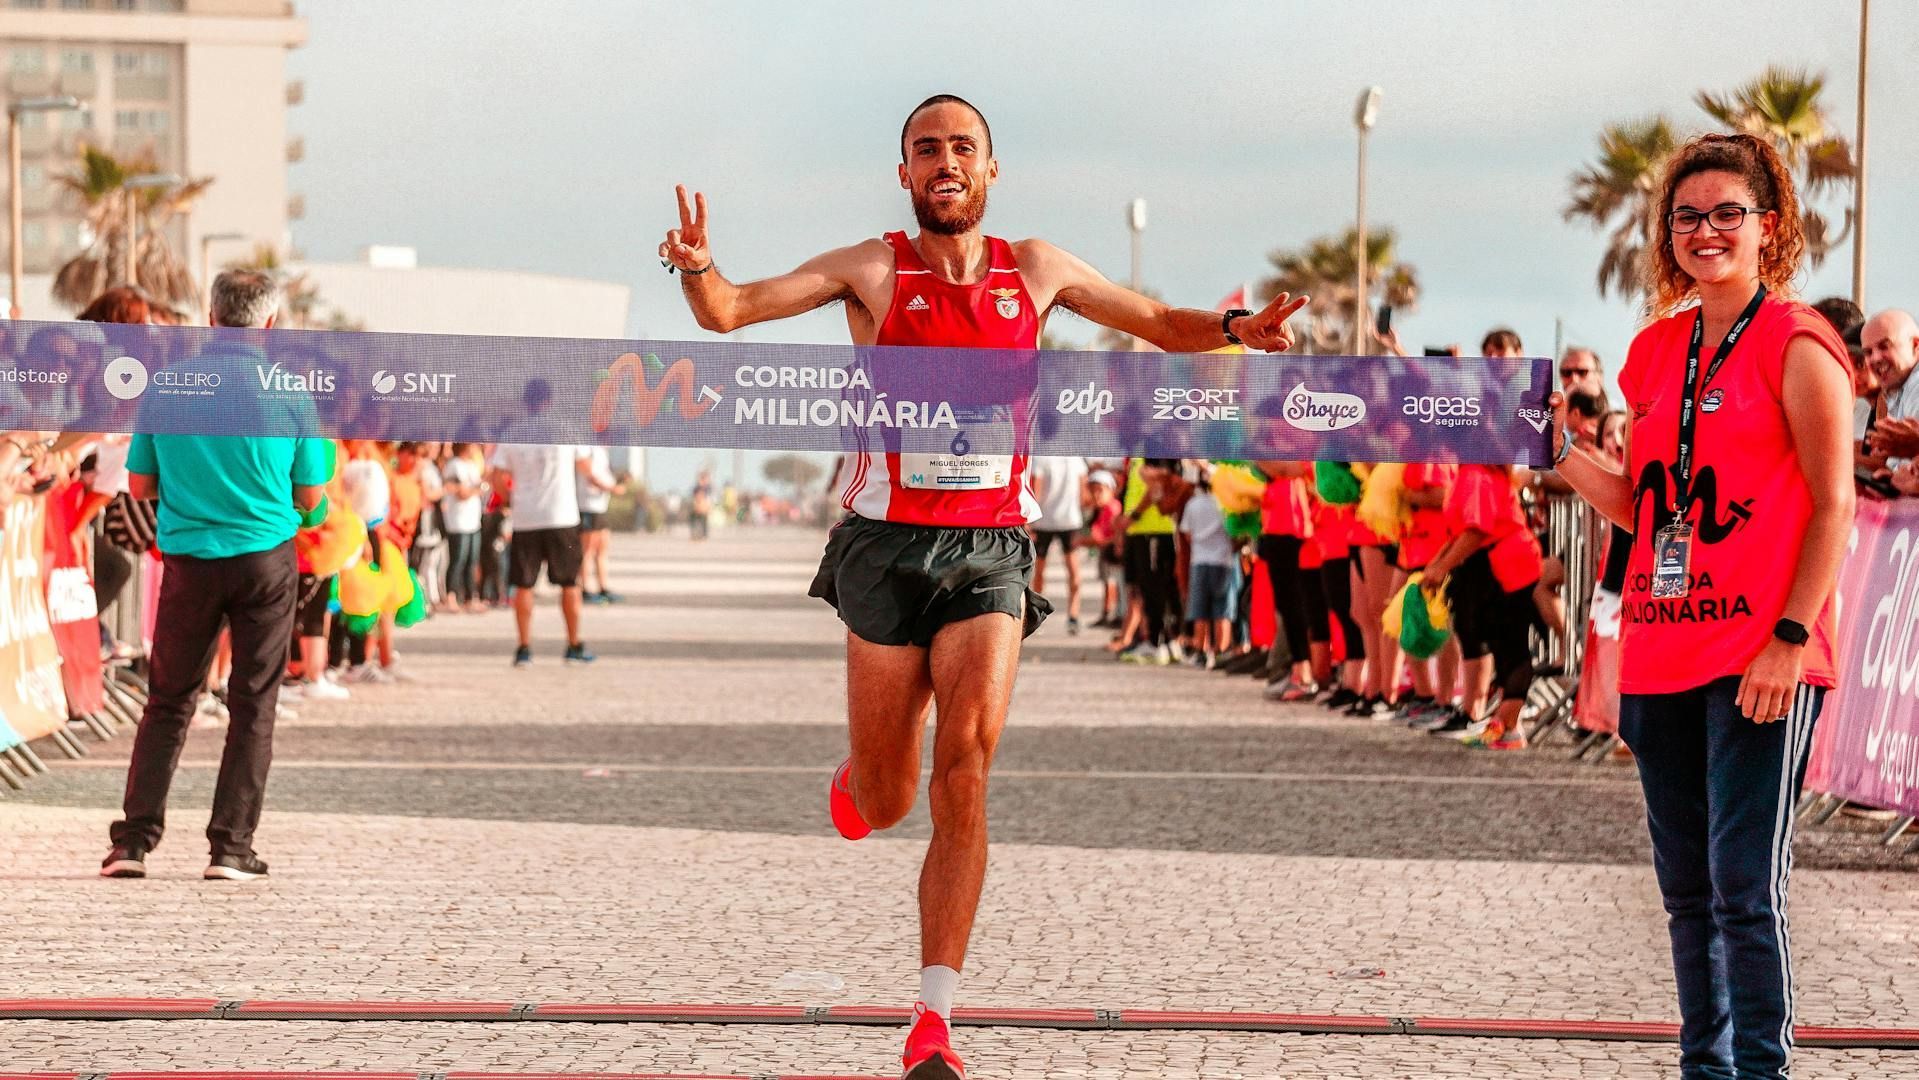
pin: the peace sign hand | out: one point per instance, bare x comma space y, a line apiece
1267, 331
685, 247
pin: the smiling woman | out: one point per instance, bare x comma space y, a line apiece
1726, 644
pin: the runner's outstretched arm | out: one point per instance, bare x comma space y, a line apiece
722, 306
1087, 293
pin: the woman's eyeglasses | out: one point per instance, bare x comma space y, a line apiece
1725, 218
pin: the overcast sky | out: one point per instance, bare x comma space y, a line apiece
549, 137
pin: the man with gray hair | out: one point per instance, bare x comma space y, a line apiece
228, 509
1890, 344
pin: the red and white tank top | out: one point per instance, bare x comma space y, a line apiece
958, 489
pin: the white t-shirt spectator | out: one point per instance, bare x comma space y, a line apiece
1058, 480
110, 467
367, 492
461, 515
545, 495
595, 500
1205, 527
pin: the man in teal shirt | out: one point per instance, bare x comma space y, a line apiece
228, 509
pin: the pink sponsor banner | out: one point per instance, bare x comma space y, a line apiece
1866, 746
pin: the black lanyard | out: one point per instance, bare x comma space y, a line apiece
1689, 408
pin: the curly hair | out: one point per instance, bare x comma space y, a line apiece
1754, 161
120, 304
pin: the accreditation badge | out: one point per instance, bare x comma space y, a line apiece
1672, 561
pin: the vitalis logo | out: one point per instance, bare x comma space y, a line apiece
279, 380
648, 400
1308, 410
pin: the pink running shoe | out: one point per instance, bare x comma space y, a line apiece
929, 1051
839, 801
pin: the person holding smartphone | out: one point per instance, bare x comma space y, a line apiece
1738, 496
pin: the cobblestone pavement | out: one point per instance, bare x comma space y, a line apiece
651, 829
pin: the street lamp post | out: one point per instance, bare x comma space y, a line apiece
206, 267
16, 259
127, 188
1859, 176
1136, 224
1364, 118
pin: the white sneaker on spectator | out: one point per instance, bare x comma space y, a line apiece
324, 689
1174, 651
282, 713
208, 713
293, 690
396, 674
366, 675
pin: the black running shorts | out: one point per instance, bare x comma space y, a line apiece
556, 549
897, 584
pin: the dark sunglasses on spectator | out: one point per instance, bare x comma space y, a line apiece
1574, 372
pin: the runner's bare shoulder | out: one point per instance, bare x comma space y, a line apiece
1050, 270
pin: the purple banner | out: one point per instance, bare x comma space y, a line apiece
1866, 745
723, 395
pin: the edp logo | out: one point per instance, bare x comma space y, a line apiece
1091, 401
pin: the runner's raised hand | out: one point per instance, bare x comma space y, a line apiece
1267, 331
685, 247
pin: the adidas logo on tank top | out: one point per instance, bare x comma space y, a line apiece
917, 303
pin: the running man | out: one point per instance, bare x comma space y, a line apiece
932, 583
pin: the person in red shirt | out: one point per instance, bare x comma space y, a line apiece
929, 569
1497, 561
1739, 496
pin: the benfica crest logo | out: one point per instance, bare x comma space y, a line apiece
1007, 306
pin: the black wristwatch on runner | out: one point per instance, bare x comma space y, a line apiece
1226, 324
1791, 632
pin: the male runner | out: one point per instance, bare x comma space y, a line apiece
931, 583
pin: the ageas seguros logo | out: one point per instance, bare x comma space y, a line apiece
1441, 410
1310, 410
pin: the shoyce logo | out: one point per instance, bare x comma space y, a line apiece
279, 380
126, 378
1310, 411
1442, 410
1091, 401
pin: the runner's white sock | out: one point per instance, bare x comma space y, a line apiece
938, 984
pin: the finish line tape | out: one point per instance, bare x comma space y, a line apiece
949, 406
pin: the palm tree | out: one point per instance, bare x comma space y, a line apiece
1782, 106
158, 269
1325, 269
1617, 192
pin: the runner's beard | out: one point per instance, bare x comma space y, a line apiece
950, 219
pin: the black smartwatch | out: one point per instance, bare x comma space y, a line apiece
1790, 632
1226, 324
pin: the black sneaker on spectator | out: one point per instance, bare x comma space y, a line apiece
125, 860
522, 656
235, 868
1339, 699
1449, 724
578, 654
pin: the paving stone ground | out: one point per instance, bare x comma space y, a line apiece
651, 829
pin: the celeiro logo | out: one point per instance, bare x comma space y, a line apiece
413, 382
1091, 401
1308, 410
279, 380
1443, 411
126, 378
